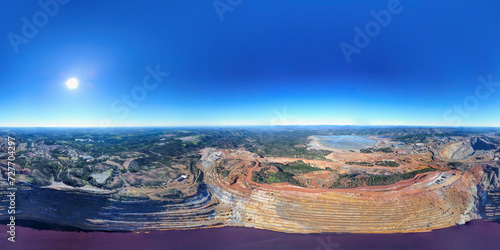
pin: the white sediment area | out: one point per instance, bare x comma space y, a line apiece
61, 186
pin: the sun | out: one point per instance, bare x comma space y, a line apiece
72, 83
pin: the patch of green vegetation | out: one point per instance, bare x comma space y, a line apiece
296, 167
387, 163
261, 176
71, 181
21, 161
455, 164
364, 163
283, 143
119, 161
264, 176
285, 173
145, 163
44, 171
413, 138
366, 150
225, 173
384, 150
352, 181
221, 170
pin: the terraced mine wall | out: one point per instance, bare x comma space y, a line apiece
489, 193
432, 201
367, 212
422, 206
103, 212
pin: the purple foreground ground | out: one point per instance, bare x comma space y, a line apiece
473, 235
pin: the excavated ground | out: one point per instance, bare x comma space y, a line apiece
429, 201
230, 197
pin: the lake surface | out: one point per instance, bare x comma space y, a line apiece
348, 142
474, 235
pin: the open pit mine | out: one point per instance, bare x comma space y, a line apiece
383, 186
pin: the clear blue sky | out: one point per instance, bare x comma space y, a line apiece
267, 62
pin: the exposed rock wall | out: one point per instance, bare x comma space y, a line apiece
350, 211
479, 143
102, 212
489, 193
457, 151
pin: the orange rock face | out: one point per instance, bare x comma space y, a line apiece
429, 201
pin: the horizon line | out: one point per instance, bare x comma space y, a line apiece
219, 126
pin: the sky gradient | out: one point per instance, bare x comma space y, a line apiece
266, 63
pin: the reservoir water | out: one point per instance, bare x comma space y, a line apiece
348, 142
